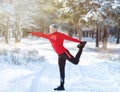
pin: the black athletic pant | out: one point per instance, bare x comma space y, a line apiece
62, 61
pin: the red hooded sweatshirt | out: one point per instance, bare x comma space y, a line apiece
56, 40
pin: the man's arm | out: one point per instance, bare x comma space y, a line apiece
38, 34
66, 37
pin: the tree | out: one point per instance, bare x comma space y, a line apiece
33, 15
116, 7
91, 12
71, 12
4, 25
118, 32
102, 12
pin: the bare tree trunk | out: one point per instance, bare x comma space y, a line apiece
105, 36
118, 33
80, 34
92, 34
70, 30
16, 33
17, 29
6, 31
97, 36
100, 34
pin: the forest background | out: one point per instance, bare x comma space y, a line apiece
99, 19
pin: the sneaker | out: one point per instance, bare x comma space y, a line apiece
82, 44
59, 88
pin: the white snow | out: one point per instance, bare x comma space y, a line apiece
98, 70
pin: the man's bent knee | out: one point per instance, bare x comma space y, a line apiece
74, 61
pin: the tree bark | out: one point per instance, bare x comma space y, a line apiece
118, 32
6, 31
105, 36
97, 36
17, 32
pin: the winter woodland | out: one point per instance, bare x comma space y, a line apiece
29, 64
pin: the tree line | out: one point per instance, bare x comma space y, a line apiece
81, 17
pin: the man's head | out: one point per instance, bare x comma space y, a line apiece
53, 28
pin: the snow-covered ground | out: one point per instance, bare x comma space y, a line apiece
31, 66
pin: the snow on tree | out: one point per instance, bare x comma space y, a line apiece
92, 12
23, 15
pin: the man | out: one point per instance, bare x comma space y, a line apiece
56, 39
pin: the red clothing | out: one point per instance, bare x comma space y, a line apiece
56, 40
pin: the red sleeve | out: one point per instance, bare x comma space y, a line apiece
39, 34
66, 37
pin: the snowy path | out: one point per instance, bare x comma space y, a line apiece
96, 78
91, 75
